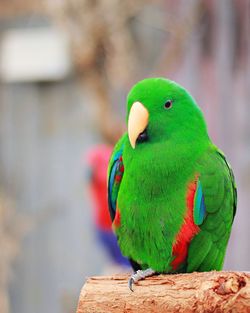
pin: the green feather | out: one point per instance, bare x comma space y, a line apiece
220, 202
197, 252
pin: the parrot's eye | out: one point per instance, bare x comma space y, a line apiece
168, 104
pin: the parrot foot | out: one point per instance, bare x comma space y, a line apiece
139, 275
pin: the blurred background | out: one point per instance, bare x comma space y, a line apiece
65, 69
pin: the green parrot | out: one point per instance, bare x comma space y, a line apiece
171, 192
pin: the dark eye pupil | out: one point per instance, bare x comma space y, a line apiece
168, 104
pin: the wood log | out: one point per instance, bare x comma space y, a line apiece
196, 292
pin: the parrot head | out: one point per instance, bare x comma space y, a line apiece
161, 111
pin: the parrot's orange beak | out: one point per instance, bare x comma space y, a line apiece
137, 121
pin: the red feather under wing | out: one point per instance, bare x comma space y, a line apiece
188, 230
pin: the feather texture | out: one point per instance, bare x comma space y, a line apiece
199, 205
115, 170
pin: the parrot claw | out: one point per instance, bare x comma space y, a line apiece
130, 283
139, 275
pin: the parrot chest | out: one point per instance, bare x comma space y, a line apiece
150, 216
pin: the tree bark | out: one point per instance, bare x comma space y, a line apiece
197, 292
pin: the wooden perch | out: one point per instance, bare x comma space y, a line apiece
197, 292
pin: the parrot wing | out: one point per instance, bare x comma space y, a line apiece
115, 173
214, 210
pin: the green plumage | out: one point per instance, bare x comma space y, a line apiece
153, 194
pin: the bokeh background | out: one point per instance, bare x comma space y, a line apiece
65, 69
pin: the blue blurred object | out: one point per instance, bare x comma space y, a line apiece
109, 241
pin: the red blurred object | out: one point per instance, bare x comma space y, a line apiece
98, 159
